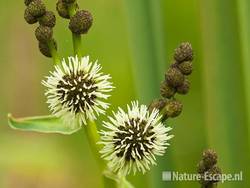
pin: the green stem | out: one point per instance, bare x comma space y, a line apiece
93, 138
53, 52
77, 43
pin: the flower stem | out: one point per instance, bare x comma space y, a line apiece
93, 138
77, 43
53, 52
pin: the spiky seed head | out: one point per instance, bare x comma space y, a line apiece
173, 108
186, 67
184, 52
77, 91
81, 22
27, 2
209, 158
44, 33
28, 17
166, 90
44, 48
36, 8
174, 77
48, 19
184, 88
68, 1
157, 104
133, 139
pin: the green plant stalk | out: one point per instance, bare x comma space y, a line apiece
93, 139
53, 52
244, 15
77, 43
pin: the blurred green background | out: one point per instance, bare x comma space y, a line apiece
134, 40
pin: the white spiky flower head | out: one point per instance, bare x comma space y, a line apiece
133, 139
77, 90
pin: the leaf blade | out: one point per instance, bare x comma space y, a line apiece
42, 124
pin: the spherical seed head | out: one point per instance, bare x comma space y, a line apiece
48, 19
43, 33
173, 108
44, 48
184, 52
77, 91
27, 2
28, 17
157, 104
36, 8
133, 139
174, 77
184, 88
209, 158
81, 22
186, 67
166, 90
62, 9
68, 1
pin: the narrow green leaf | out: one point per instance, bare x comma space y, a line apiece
43, 124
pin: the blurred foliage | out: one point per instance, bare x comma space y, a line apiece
134, 41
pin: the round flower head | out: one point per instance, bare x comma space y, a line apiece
76, 91
134, 139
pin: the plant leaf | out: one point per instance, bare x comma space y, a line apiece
43, 124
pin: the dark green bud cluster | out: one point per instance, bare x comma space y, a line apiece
184, 52
62, 7
48, 19
36, 12
81, 22
157, 104
175, 77
43, 33
175, 82
208, 167
45, 49
172, 108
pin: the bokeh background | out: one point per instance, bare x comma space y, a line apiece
134, 40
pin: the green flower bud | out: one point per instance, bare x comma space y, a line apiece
166, 90
48, 19
81, 22
173, 108
209, 158
157, 104
174, 77
184, 52
68, 1
44, 48
27, 2
184, 88
37, 8
28, 17
43, 33
62, 9
186, 67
